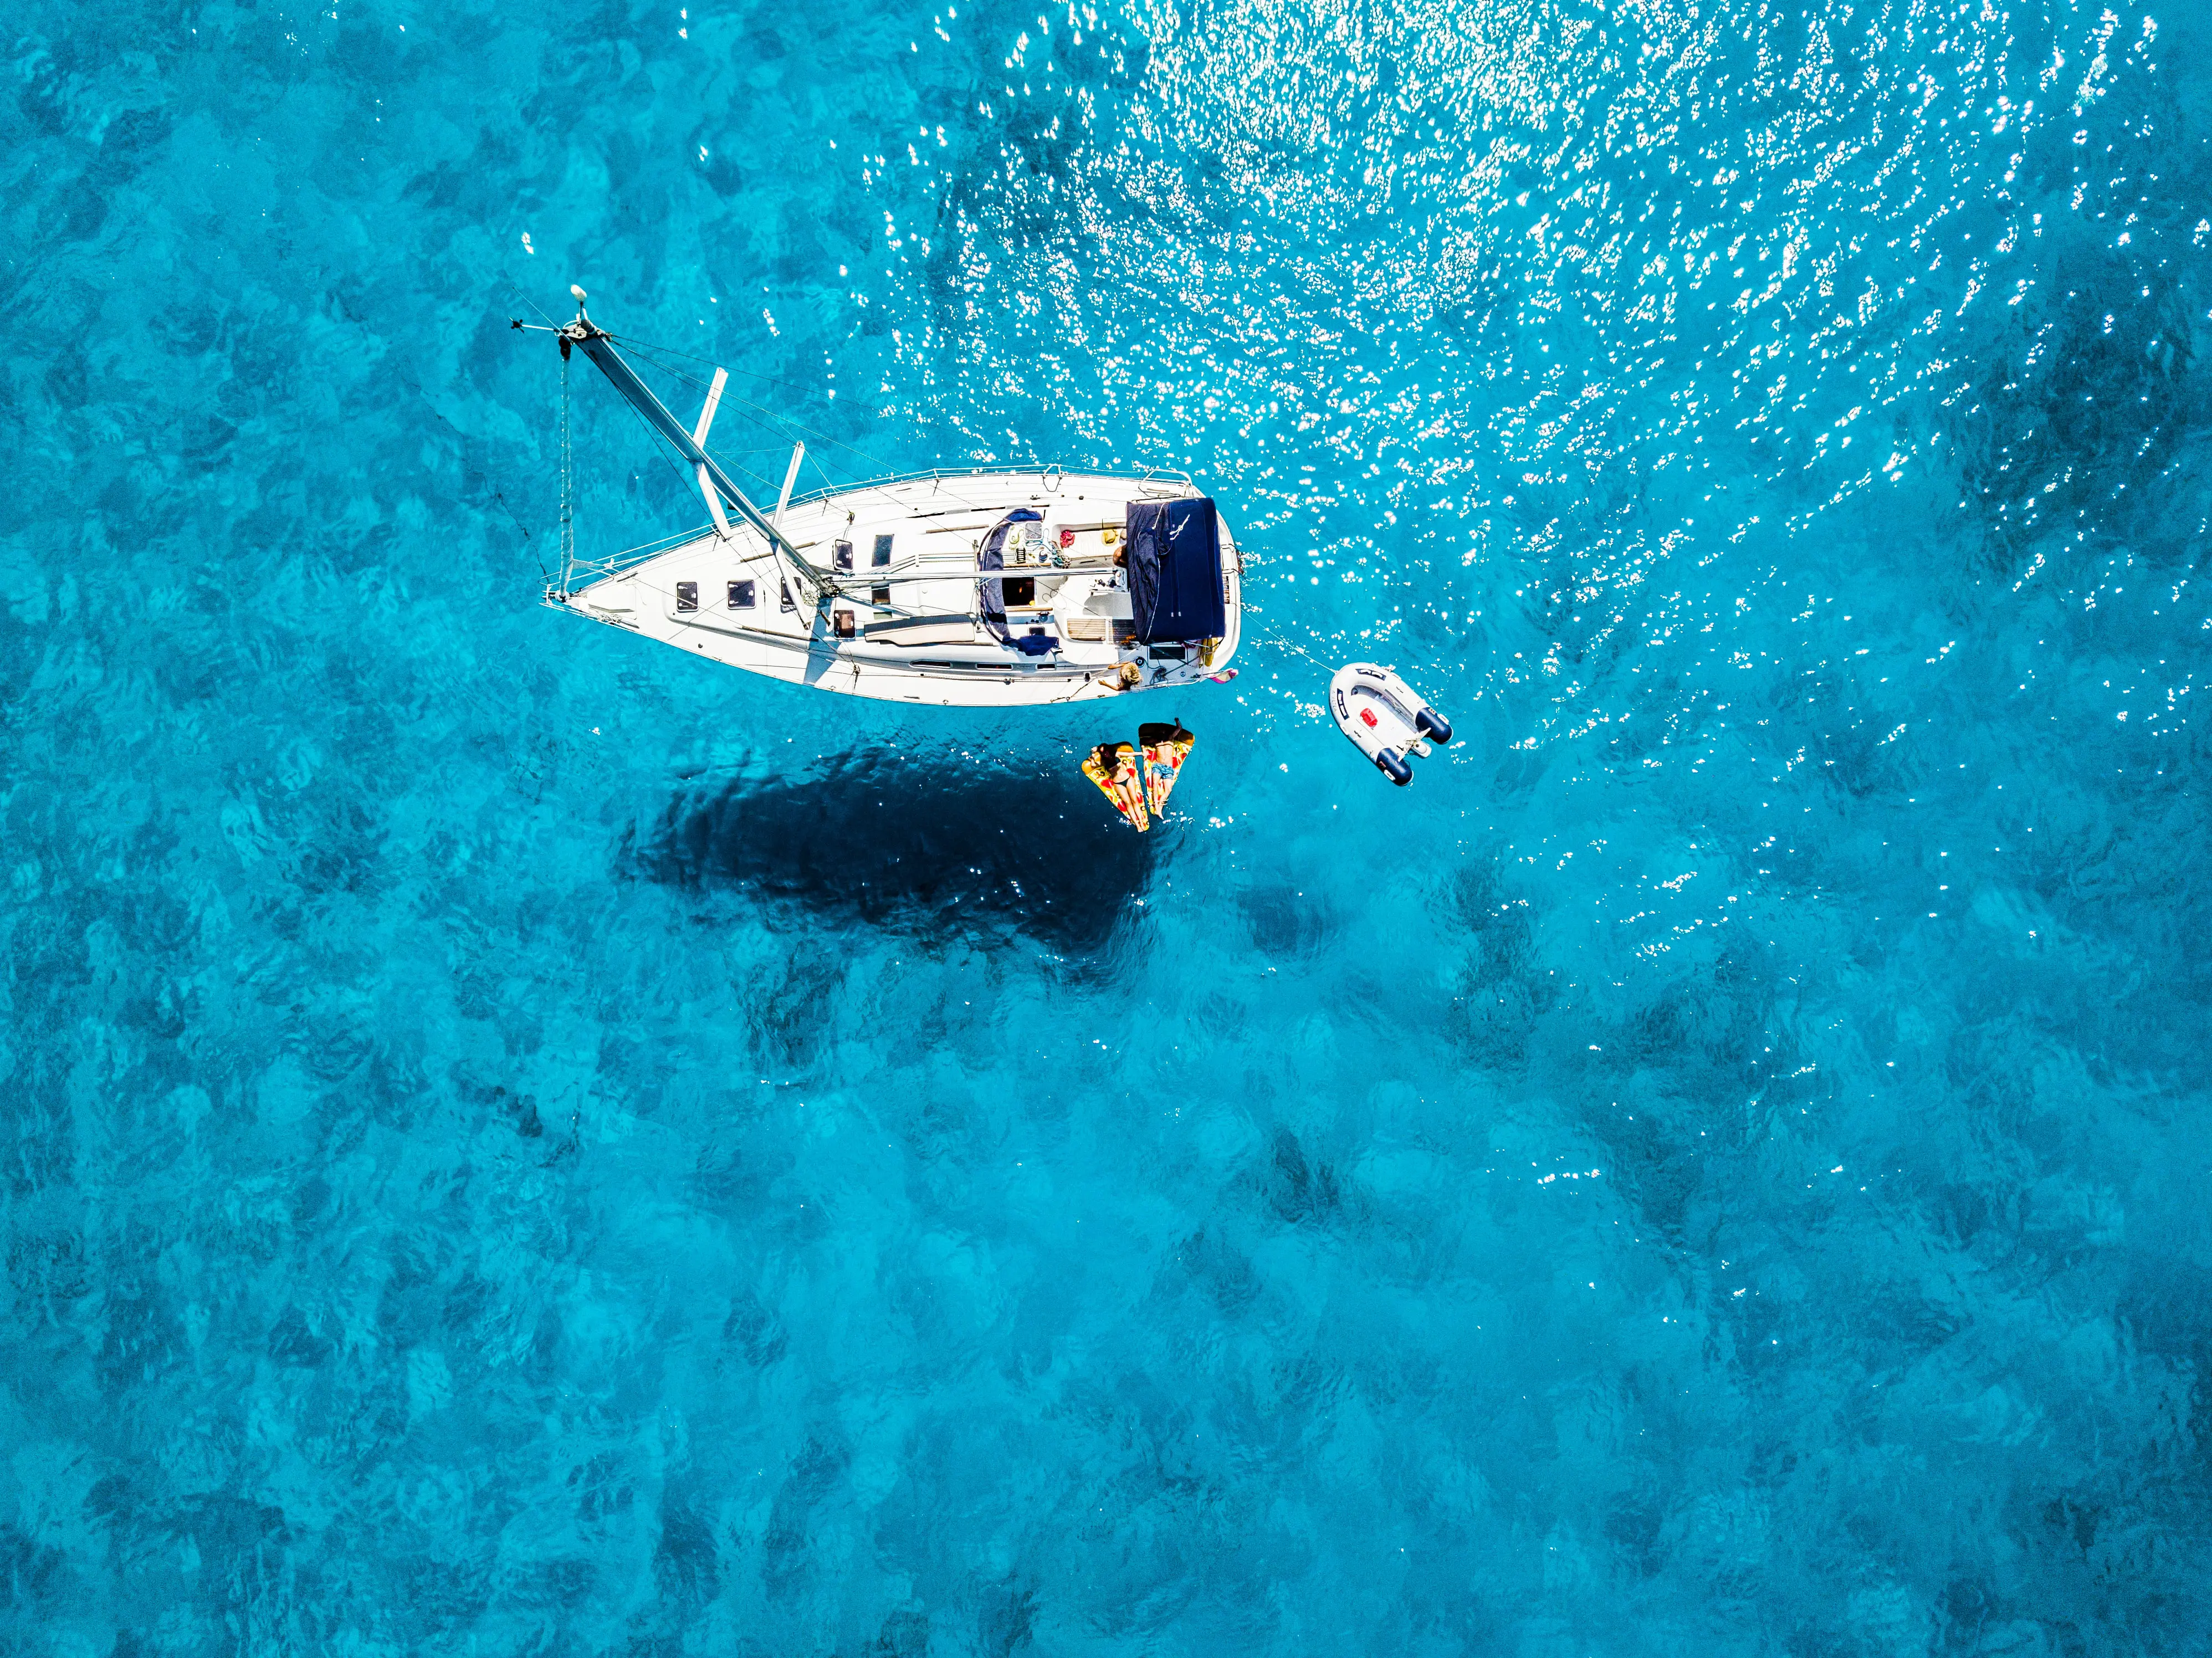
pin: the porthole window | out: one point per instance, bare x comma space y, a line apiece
687, 595
741, 595
883, 553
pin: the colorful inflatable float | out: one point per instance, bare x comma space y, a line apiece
1113, 766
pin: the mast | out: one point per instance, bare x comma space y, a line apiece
714, 484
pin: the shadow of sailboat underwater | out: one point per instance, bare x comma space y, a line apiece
942, 853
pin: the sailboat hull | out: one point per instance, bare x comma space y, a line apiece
971, 590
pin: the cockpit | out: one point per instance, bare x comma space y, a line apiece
1016, 609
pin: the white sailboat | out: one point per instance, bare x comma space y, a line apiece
975, 589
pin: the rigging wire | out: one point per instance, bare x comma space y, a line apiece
646, 353
516, 289
659, 446
750, 374
762, 415
815, 461
647, 350
689, 485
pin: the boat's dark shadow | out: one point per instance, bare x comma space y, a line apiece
940, 849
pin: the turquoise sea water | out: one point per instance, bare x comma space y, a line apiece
515, 1142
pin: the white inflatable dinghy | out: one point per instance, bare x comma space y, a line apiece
1385, 717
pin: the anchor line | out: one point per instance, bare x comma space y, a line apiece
567, 490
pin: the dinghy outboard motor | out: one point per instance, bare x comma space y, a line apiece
1385, 717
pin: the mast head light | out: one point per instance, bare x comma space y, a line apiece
580, 295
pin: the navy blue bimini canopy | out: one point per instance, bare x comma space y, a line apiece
1174, 570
